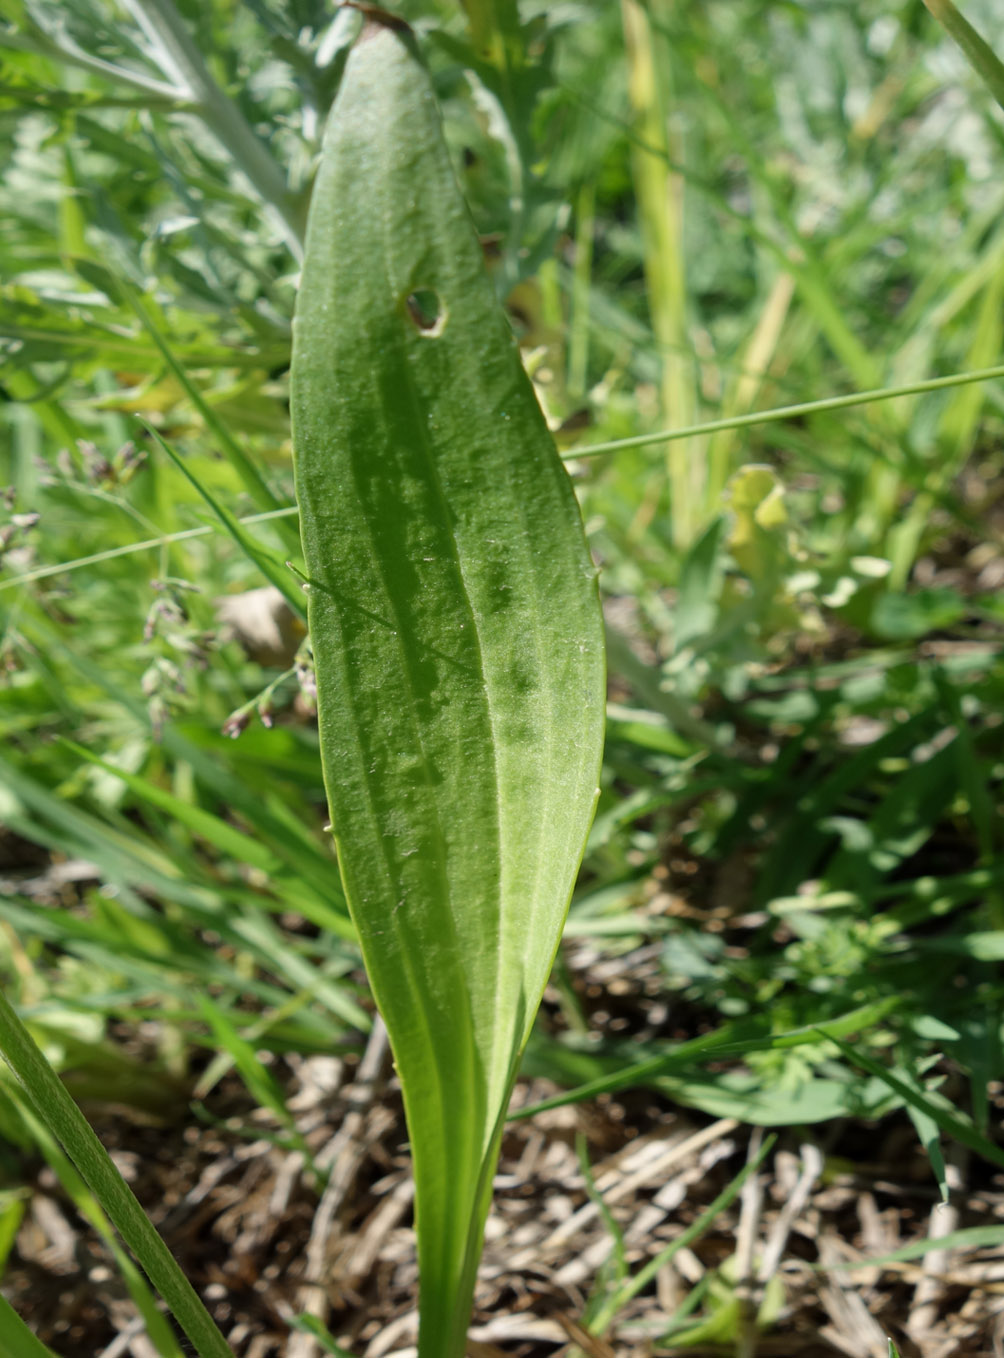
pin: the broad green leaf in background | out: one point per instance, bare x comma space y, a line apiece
456, 633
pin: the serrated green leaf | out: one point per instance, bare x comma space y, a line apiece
457, 638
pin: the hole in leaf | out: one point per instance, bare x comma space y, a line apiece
426, 311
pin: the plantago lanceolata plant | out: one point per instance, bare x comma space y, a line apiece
154, 222
457, 637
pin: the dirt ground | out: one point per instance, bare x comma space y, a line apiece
265, 1235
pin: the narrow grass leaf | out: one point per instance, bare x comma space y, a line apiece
969, 1238
259, 1080
927, 1130
61, 1115
952, 1125
640, 1280
312, 1326
725, 1041
274, 571
457, 637
256, 852
130, 548
791, 412
158, 1328
138, 864
16, 1340
213, 829
977, 50
120, 290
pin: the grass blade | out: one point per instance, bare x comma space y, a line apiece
977, 50
275, 573
180, 55
61, 1115
969, 1238
640, 1280
16, 1340
792, 412
158, 1328
721, 1042
942, 1116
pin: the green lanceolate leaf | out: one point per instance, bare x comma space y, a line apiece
457, 638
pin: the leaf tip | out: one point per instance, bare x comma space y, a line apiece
376, 19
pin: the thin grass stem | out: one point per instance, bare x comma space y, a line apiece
130, 548
792, 412
747, 421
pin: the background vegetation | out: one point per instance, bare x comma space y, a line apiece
692, 212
